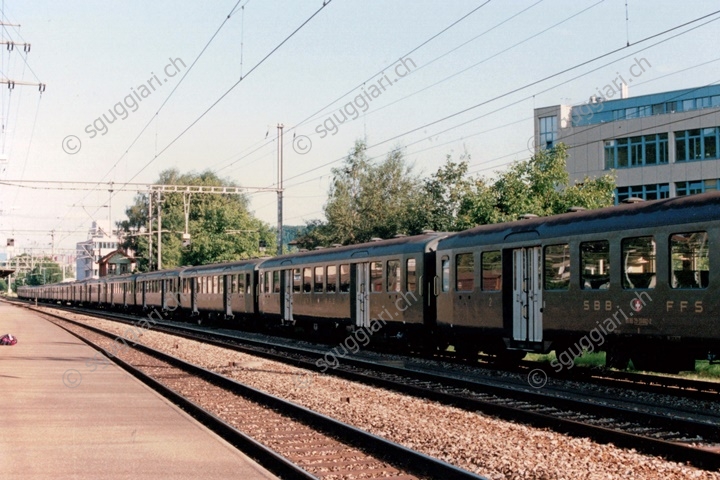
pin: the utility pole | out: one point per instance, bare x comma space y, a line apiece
110, 210
280, 190
150, 232
159, 246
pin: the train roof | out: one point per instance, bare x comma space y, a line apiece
671, 211
218, 268
160, 274
393, 246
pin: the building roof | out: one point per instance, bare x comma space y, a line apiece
603, 110
118, 252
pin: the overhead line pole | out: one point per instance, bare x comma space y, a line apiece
150, 242
159, 232
280, 190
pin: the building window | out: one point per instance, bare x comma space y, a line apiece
697, 186
548, 132
696, 144
636, 151
646, 192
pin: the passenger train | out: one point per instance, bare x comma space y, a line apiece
640, 281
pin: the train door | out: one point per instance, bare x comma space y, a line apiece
360, 272
227, 281
286, 299
527, 294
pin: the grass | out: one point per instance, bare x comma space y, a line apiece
586, 360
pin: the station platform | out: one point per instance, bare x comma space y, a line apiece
61, 420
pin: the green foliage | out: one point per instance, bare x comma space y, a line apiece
221, 226
368, 200
445, 197
44, 272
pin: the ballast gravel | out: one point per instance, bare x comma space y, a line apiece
493, 448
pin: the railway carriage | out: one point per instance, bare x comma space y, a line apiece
121, 291
640, 281
158, 290
352, 286
225, 290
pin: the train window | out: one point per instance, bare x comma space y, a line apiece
639, 268
297, 281
411, 275
233, 283
689, 257
240, 283
214, 284
344, 278
557, 267
276, 281
445, 269
376, 276
465, 272
307, 280
491, 271
595, 265
393, 275
331, 279
221, 284
319, 280
268, 282
248, 284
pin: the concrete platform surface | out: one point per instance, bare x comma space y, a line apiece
61, 420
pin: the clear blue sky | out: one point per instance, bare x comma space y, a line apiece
93, 55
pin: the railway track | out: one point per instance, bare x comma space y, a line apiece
642, 382
680, 439
288, 439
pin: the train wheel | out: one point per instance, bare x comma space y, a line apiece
617, 357
509, 358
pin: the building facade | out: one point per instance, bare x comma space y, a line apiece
89, 252
659, 145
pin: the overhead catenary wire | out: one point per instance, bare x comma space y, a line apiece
527, 85
167, 99
216, 102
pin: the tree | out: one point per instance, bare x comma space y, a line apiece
221, 226
537, 186
366, 200
444, 196
44, 272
